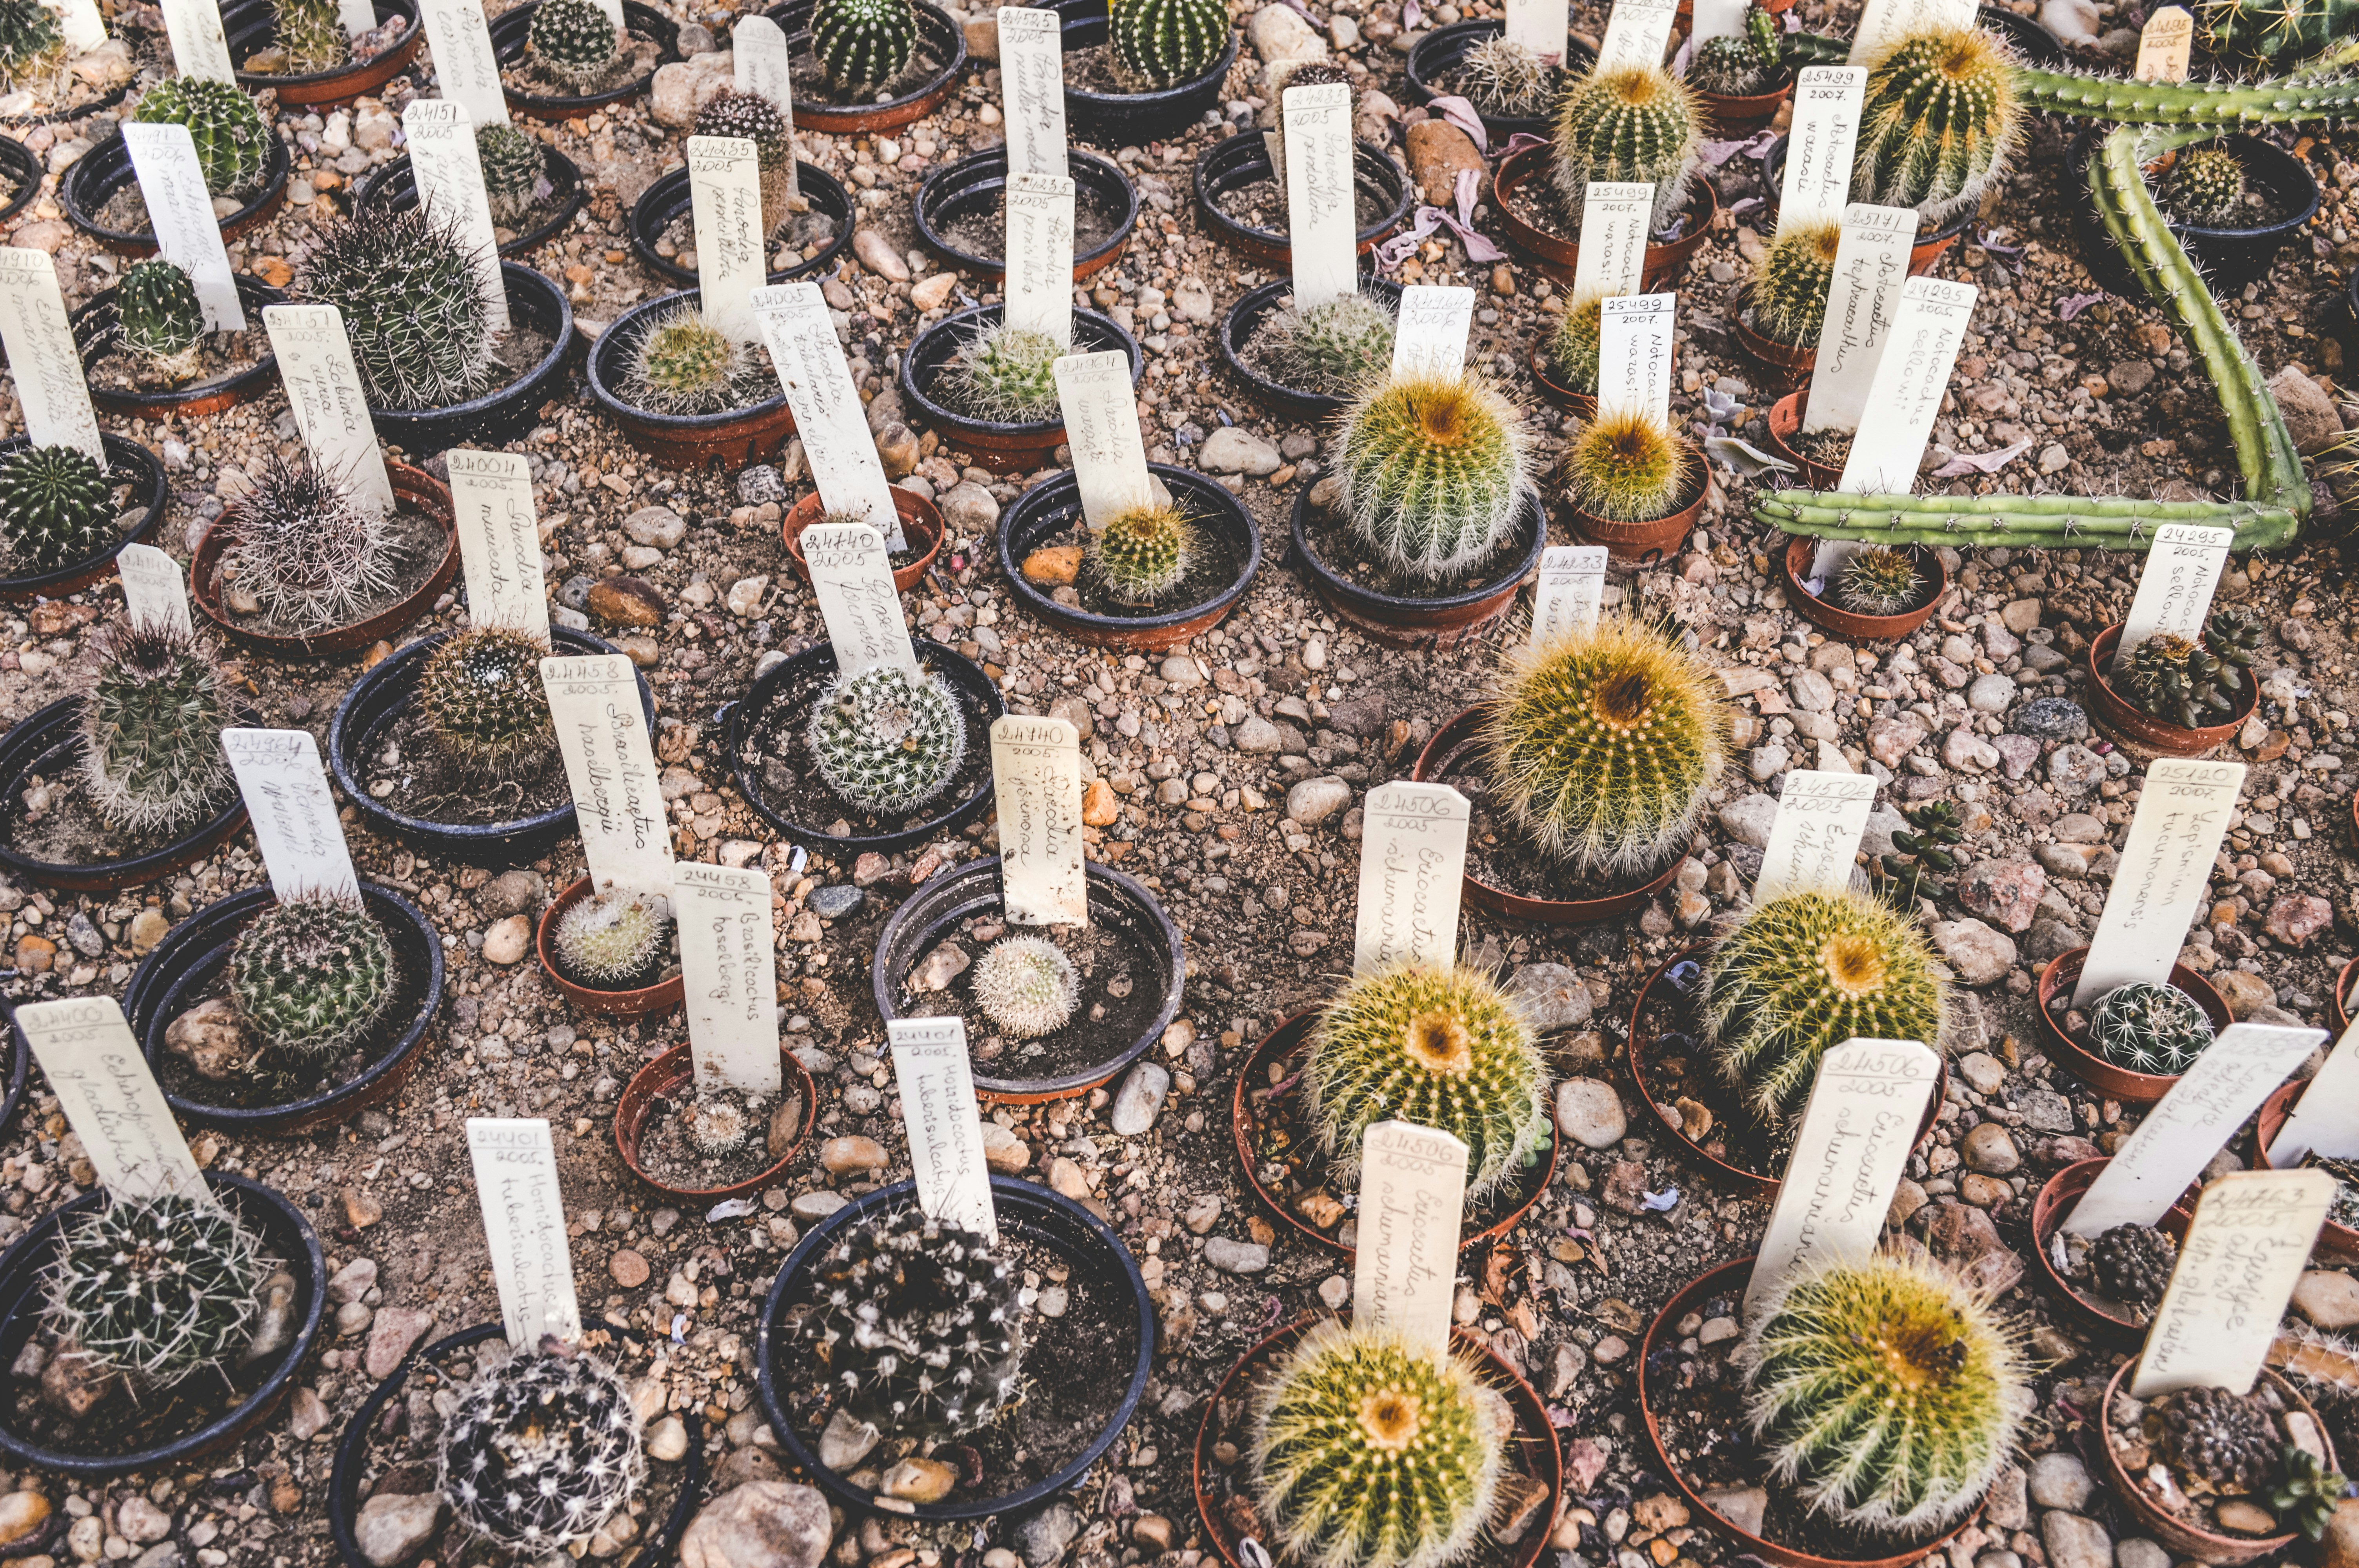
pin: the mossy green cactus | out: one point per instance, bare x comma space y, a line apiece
574, 42
1372, 1451
1798, 975
482, 701
151, 728
1573, 346
1789, 297
516, 172
2144, 1028
686, 366
864, 46
1502, 78
1158, 44
299, 544
313, 973
1727, 67
163, 324
416, 310
615, 941
1434, 470
157, 1290
1143, 553
1444, 1048
1008, 375
755, 119
1627, 467
1027, 986
1943, 111
232, 139
57, 507
1630, 124
1333, 349
542, 1451
1878, 580
1885, 1391
1601, 744
886, 741
311, 36
2206, 188
32, 42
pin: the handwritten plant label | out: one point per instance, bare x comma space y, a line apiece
199, 49
829, 416
1101, 427
1612, 258
2244, 1253
1412, 1205
1849, 1152
1570, 590
154, 591
1883, 23
1812, 842
1637, 32
2182, 814
2186, 1126
1871, 263
1040, 254
1032, 89
593, 700
944, 1120
725, 189
1827, 100
1035, 774
1322, 221
42, 359
499, 539
1912, 377
1412, 865
524, 1220
1633, 356
2164, 45
729, 968
1718, 19
110, 1098
466, 66
761, 60
324, 392
83, 27
172, 184
852, 578
1539, 25
2325, 1121
2175, 586
450, 174
1429, 333
293, 813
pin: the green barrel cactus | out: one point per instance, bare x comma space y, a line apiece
1573, 346
416, 310
2264, 32
1027, 986
1008, 375
1627, 467
1633, 124
481, 698
885, 741
1790, 298
1158, 44
151, 726
574, 42
516, 172
864, 46
32, 41
1728, 67
232, 139
1333, 349
1433, 470
157, 1290
1943, 111
1878, 580
2206, 187
57, 507
163, 324
686, 366
2143, 1028
313, 973
1143, 553
311, 35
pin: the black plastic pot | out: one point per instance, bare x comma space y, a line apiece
98, 332
668, 201
511, 28
1032, 1214
505, 413
1054, 505
1247, 314
932, 915
20, 1067
744, 718
2033, 43
136, 466
93, 179
50, 743
1129, 119
394, 188
978, 183
252, 27
735, 436
2230, 258
1244, 160
24, 1295
1442, 619
22, 171
937, 35
379, 699
1439, 52
1000, 446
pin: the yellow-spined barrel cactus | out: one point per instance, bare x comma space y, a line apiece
1942, 113
755, 118
885, 741
1161, 43
416, 310
480, 697
613, 941
1373, 1452
151, 730
1434, 470
1332, 349
314, 973
1790, 298
299, 544
1629, 123
57, 507
1006, 374
543, 1449
575, 42
1573, 346
864, 45
684, 365
232, 139
1802, 973
1627, 467
158, 1290
1443, 1048
1027, 986
1143, 553
1887, 1391
516, 172
1601, 744
163, 324
2206, 187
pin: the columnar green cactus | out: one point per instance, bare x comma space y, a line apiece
2144, 1028
311, 34
1790, 298
1006, 375
480, 697
1027, 986
575, 42
314, 973
232, 139
1887, 1391
57, 507
1942, 115
299, 544
885, 742
1162, 43
1500, 77
864, 46
613, 941
157, 1290
1372, 1451
1629, 123
2266, 31
684, 365
516, 172
151, 728
1441, 1047
418, 312
1878, 580
1434, 470
542, 1451
1801, 975
2206, 187
32, 41
162, 321
757, 119
1143, 553
1627, 467
1573, 346
1601, 743
1727, 67
1332, 349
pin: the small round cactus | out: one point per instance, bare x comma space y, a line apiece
575, 42
2180, 682
687, 366
232, 139
151, 730
2220, 1442
1027, 987
1887, 1391
163, 324
718, 1125
1942, 115
1434, 470
311, 35
1728, 67
32, 41
1631, 124
1442, 1047
864, 46
157, 1290
543, 1449
516, 172
2133, 1264
1790, 298
416, 311
2206, 188
1372, 1451
57, 507
1500, 77
310, 556
886, 742
613, 941
1878, 580
2144, 1028
481, 698
1573, 346
1008, 375
757, 119
1158, 44
1333, 349
1627, 467
1142, 554
313, 973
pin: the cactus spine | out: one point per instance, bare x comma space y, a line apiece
1504, 78
312, 973
1434, 470
157, 1290
163, 324
613, 941
2206, 187
687, 366
418, 312
575, 42
885, 742
1789, 299
1942, 113
310, 556
516, 172
1162, 43
2144, 1028
1627, 467
2262, 32
757, 119
151, 730
1027, 987
32, 41
1333, 349
542, 1450
1008, 375
864, 46
311, 35
1630, 124
482, 699
57, 507
1877, 580
232, 139
1143, 553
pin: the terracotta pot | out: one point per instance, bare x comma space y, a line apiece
1558, 256
137, 467
1243, 160
1244, 319
511, 29
254, 26
1442, 620
1555, 387
1785, 423
937, 35
1788, 366
664, 994
1484, 1222
2338, 1241
734, 437
1053, 506
664, 1078
1733, 118
2059, 975
92, 181
978, 184
2139, 733
2056, 1199
921, 526
1831, 617
2192, 1541
1653, 543
1001, 445
414, 488
98, 331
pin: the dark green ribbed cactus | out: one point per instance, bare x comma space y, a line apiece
1573, 346
543, 1449
483, 702
1728, 67
1632, 123
32, 42
516, 172
1333, 349
151, 728
312, 973
615, 941
57, 507
2144, 1028
1433, 470
418, 312
2206, 188
1143, 553
757, 120
864, 46
575, 42
2273, 31
1790, 298
311, 35
885, 741
1942, 113
232, 139
1162, 43
162, 321
1503, 78
157, 1290
687, 366
1006, 374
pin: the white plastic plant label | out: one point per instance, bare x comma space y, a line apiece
1101, 413
524, 1220
172, 184
1633, 356
761, 60
1571, 591
2242, 1255
1412, 868
2176, 583
724, 188
2325, 1121
1636, 32
594, 701
499, 539
357, 15
1911, 378
1429, 333
42, 359
1827, 100
851, 577
2182, 814
293, 813
154, 591
1320, 193
729, 968
1540, 26
1849, 1154
324, 389
1412, 1207
1035, 774
828, 415
1883, 23
466, 66
1815, 836
83, 27
1032, 89
1718, 19
1040, 250
943, 1121
450, 173
199, 49
2163, 46
1871, 263
110, 1098
2186, 1126
1611, 259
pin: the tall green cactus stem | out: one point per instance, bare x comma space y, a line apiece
1161, 43
864, 45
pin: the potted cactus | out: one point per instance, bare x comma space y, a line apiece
1143, 67
2110, 1283
565, 59
2135, 1041
960, 213
1311, 361
1634, 485
1632, 123
1514, 89
1743, 78
36, 60
146, 351
301, 50
872, 64
806, 215
2221, 1477
241, 156
1942, 115
63, 519
614, 951
1153, 577
2176, 697
533, 188
1778, 322
990, 388
2233, 202
1879, 593
685, 392
1241, 197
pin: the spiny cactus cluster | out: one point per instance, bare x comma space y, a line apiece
574, 42
311, 35
1332, 349
516, 172
1158, 44
686, 366
864, 46
919, 1324
1600, 745
57, 508
2206, 187
613, 941
1143, 553
1789, 297
232, 139
2193, 684
1801, 975
416, 311
1878, 580
151, 728
1921, 848
1503, 78
162, 321
157, 1290
1728, 67
2144, 1028
1573, 346
718, 1124
1006, 375
310, 556
755, 119
543, 1449
1629, 123
1434, 470
1027, 986
1444, 1048
2222, 1443
1627, 467
2272, 31
2132, 1264
32, 41
480, 697
1942, 114
1372, 1451
886, 742
1888, 1391
314, 973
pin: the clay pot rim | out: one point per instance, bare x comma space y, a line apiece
509, 43
989, 168
660, 1078
1785, 414
1526, 165
2207, 1546
1851, 623
934, 24
2140, 727
1582, 404
918, 515
1791, 360
143, 472
2336, 1237
2345, 980
1217, 511
2109, 1081
101, 320
1654, 541
664, 201
2050, 1207
395, 185
92, 181
1237, 327
639, 1001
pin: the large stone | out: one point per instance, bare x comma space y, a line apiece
1553, 997
2329, 1298
1140, 1098
1978, 953
1991, 692
1276, 32
2075, 769
1964, 1237
1234, 1257
1588, 1112
1891, 738
1232, 449
1990, 1148
2058, 1480
2005, 892
211, 1038
1316, 799
392, 1525
2297, 917
684, 87
21, 1514
1748, 819
762, 1524
1041, 1539
2309, 415
2053, 719
2342, 1535
658, 527
969, 510
877, 254
626, 601
1438, 150
390, 1337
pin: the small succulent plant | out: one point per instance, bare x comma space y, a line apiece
157, 1290
1789, 298
1434, 470
416, 310
516, 172
57, 507
151, 730
1923, 846
1631, 124
32, 41
313, 973
2182, 682
543, 1449
2206, 188
613, 941
1333, 349
300, 544
2232, 635
885, 741
1879, 580
1573, 346
686, 366
2307, 1493
232, 139
1143, 553
482, 701
574, 42
2132, 1264
755, 118
163, 324
1942, 114
1500, 77
1027, 986
864, 46
1729, 67
1627, 467
1158, 44
717, 1124
2220, 1443
1008, 375
311, 35
2146, 1028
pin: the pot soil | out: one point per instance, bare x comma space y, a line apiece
652, 1137
63, 842
100, 192
1434, 71
531, 359
1817, 459
1085, 1366
171, 1428
2189, 1526
139, 491
1001, 445
1239, 197
650, 39
961, 213
234, 366
2340, 1239
1099, 108
663, 228
658, 995
1243, 345
2110, 1322
1228, 556
394, 188
1399, 612
253, 27
735, 436
2063, 1042
1850, 623
1652, 541
2140, 733
1535, 220
933, 72
922, 534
